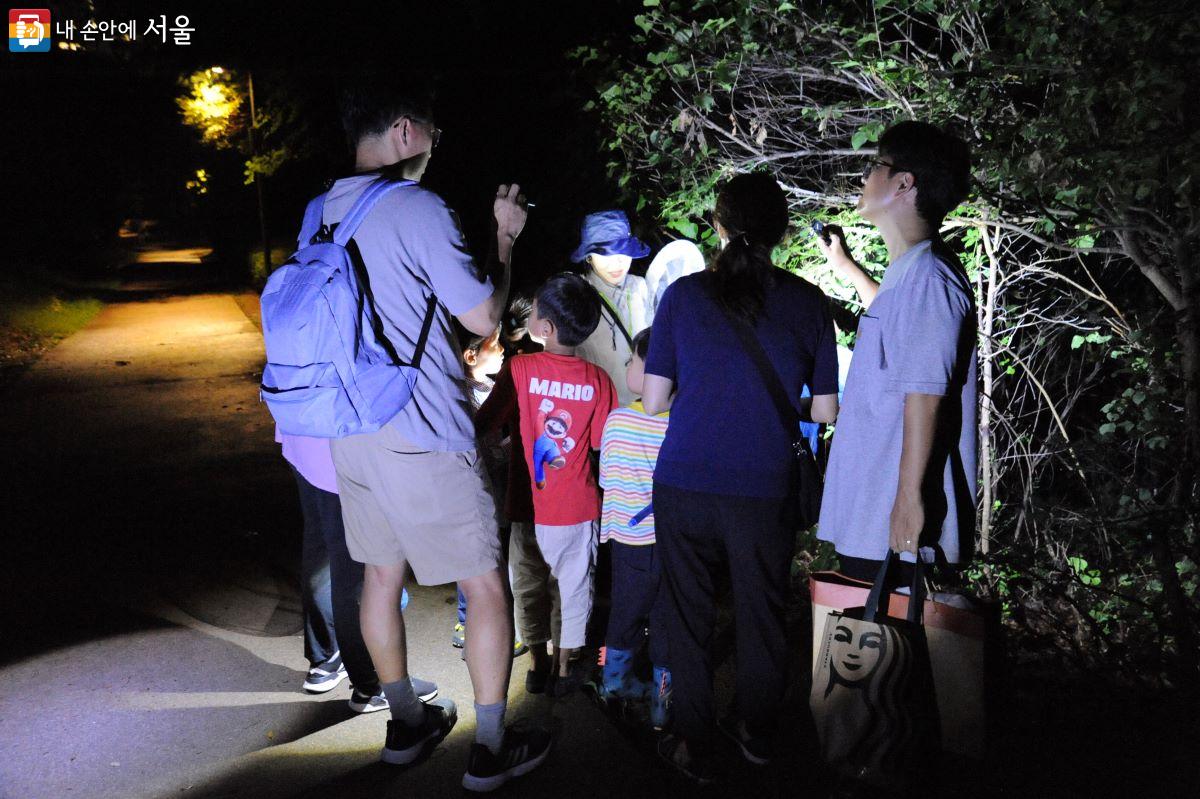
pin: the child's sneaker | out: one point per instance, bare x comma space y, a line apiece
755, 750
564, 685
327, 676
459, 639
674, 751
404, 744
538, 680
523, 751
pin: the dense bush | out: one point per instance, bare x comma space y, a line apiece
1079, 235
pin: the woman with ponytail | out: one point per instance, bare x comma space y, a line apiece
726, 468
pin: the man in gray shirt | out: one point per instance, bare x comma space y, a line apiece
901, 473
415, 496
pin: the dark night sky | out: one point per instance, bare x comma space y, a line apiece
101, 137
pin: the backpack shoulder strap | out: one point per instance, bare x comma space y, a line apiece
312, 220
362, 206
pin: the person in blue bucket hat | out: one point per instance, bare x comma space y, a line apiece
609, 247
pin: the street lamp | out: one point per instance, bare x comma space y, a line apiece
210, 107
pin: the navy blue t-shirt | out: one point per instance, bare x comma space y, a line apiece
725, 435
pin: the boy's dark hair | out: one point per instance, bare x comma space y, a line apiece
641, 344
570, 302
754, 212
939, 161
370, 105
515, 323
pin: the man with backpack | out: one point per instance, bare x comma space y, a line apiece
413, 488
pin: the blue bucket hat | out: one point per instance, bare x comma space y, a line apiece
607, 233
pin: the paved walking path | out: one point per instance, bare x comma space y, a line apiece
149, 633
151, 645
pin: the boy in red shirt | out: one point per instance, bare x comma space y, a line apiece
561, 402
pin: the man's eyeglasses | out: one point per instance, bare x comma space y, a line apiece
435, 133
869, 167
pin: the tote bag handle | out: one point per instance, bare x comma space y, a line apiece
916, 597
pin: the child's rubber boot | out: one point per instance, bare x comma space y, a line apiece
660, 699
618, 680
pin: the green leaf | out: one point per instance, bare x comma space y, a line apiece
685, 226
650, 3
1107, 429
1077, 342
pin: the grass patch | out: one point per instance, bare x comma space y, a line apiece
35, 314
48, 316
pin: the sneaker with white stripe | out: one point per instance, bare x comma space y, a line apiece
363, 702
405, 744
327, 676
523, 751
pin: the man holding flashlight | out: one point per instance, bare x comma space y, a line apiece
901, 474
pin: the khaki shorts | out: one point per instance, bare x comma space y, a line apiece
404, 504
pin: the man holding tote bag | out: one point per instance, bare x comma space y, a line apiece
901, 475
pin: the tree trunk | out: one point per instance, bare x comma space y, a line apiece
986, 357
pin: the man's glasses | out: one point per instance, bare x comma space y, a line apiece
435, 133
869, 167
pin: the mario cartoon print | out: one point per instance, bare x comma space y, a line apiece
552, 443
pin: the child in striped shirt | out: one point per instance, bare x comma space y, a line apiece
628, 452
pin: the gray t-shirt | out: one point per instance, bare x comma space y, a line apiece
918, 336
606, 346
412, 246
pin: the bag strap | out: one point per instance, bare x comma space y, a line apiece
312, 220
916, 595
362, 206
367, 309
343, 233
605, 305
788, 414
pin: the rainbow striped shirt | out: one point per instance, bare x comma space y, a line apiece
628, 452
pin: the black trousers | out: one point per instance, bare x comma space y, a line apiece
699, 535
330, 588
636, 605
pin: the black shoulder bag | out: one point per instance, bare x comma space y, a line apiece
808, 485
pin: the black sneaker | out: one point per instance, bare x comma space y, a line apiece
565, 686
536, 681
326, 676
699, 770
404, 743
523, 751
756, 751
